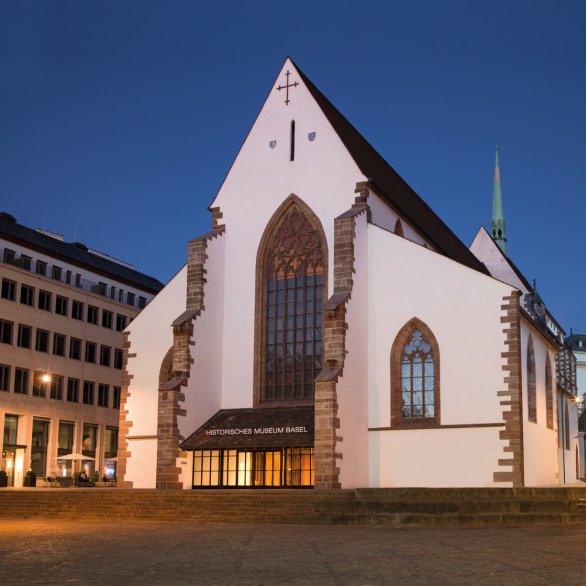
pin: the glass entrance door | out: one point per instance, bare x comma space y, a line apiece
8, 464
272, 468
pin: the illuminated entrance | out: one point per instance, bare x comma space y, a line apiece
285, 467
254, 448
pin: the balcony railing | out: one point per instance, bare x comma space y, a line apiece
70, 278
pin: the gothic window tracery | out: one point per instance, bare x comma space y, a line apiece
415, 399
293, 278
417, 377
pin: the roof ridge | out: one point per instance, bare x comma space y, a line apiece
385, 179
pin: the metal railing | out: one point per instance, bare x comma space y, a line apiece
70, 278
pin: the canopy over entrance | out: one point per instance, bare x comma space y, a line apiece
254, 428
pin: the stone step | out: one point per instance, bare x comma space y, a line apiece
364, 506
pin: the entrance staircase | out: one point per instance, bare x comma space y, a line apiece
395, 506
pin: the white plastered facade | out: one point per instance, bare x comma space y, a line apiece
394, 280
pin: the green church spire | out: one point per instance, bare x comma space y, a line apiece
498, 227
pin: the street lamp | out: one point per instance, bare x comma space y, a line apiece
581, 401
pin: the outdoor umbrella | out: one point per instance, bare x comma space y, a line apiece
75, 457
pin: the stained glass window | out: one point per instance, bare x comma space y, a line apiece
294, 281
531, 383
417, 377
548, 394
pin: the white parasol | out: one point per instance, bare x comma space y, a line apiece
75, 457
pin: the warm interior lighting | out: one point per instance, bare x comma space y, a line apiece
46, 378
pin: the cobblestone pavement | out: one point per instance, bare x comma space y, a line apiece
149, 552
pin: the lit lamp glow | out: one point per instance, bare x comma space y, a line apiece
46, 378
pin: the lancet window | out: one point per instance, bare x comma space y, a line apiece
415, 377
531, 383
294, 288
548, 394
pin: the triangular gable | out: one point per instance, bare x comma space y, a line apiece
369, 165
499, 265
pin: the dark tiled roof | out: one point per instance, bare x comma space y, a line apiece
574, 342
76, 254
255, 428
387, 182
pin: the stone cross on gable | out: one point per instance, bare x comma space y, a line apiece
287, 86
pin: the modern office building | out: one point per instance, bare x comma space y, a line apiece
63, 307
577, 343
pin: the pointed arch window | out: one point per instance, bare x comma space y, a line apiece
292, 286
531, 383
415, 398
399, 228
548, 393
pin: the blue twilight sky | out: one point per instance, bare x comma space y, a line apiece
120, 118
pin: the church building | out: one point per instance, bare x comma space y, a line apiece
330, 331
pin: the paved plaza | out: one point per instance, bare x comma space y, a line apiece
149, 552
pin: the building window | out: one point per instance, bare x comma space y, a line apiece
39, 443
68, 277
116, 392
8, 290
89, 443
88, 393
548, 393
65, 446
415, 396
292, 259
6, 331
26, 262
41, 268
107, 319
27, 295
4, 378
40, 383
105, 353
21, 376
566, 426
286, 467
61, 305
73, 390
120, 322
9, 256
92, 315
57, 273
141, 302
42, 343
44, 300
75, 349
531, 383
59, 341
24, 336
77, 310
57, 387
111, 451
118, 358
130, 298
399, 228
90, 352
103, 395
